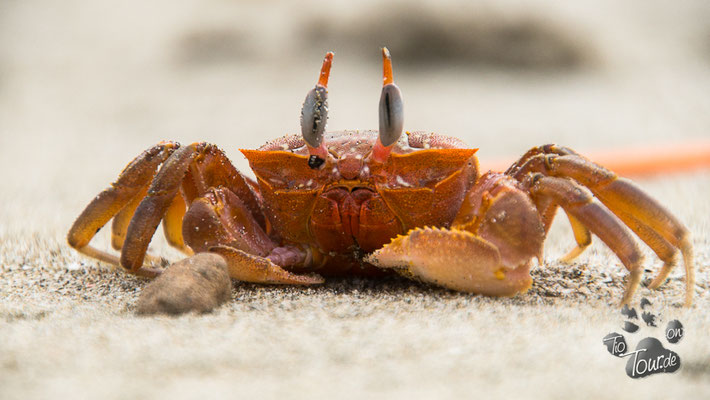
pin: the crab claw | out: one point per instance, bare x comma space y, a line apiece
245, 267
390, 110
314, 115
454, 259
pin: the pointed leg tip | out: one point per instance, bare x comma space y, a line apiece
656, 283
689, 296
566, 259
688, 302
376, 259
572, 255
312, 279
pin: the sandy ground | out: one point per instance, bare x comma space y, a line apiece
85, 86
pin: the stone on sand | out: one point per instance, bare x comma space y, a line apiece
198, 284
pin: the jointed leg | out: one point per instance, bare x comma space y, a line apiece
655, 225
588, 214
150, 211
139, 205
119, 226
120, 223
581, 235
519, 168
108, 203
172, 224
663, 249
212, 168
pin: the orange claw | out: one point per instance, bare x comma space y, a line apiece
452, 258
325, 69
386, 67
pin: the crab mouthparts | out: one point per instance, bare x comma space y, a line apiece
350, 186
348, 200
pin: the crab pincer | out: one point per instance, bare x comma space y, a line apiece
455, 259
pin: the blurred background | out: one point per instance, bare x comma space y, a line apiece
85, 86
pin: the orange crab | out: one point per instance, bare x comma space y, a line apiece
363, 202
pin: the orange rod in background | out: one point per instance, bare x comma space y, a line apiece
639, 160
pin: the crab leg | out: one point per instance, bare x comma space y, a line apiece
172, 224
150, 211
655, 225
119, 226
547, 208
499, 230
217, 219
212, 168
108, 203
120, 223
647, 217
517, 169
588, 214
581, 235
164, 201
663, 249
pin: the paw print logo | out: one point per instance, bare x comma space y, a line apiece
649, 357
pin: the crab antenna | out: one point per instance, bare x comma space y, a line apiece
391, 112
314, 115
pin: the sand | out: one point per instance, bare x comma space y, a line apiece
84, 87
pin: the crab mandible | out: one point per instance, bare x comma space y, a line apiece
360, 202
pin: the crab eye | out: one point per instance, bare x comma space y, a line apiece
391, 111
391, 114
314, 115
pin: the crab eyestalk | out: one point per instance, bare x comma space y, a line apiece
314, 116
391, 112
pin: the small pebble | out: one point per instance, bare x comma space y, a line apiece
198, 284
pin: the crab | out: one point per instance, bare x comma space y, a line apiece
372, 202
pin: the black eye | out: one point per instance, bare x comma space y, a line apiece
315, 162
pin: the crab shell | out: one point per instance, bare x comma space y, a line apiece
352, 203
